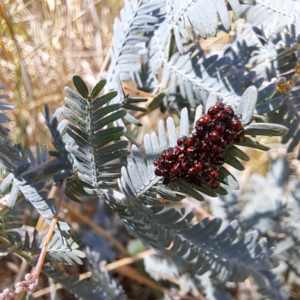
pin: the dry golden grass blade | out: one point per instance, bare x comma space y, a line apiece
221, 39
76, 216
136, 276
5, 15
135, 92
128, 260
43, 43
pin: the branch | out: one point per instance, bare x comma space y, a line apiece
31, 280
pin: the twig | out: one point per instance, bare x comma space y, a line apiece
42, 256
97, 228
127, 260
112, 266
135, 275
105, 63
31, 280
129, 89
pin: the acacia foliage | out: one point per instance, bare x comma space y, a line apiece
156, 45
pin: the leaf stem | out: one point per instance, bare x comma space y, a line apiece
31, 280
42, 256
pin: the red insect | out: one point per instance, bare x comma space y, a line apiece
197, 159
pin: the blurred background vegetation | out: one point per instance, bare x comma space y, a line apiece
42, 44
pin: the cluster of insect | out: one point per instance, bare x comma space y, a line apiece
284, 86
198, 158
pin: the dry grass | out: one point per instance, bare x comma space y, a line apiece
43, 43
